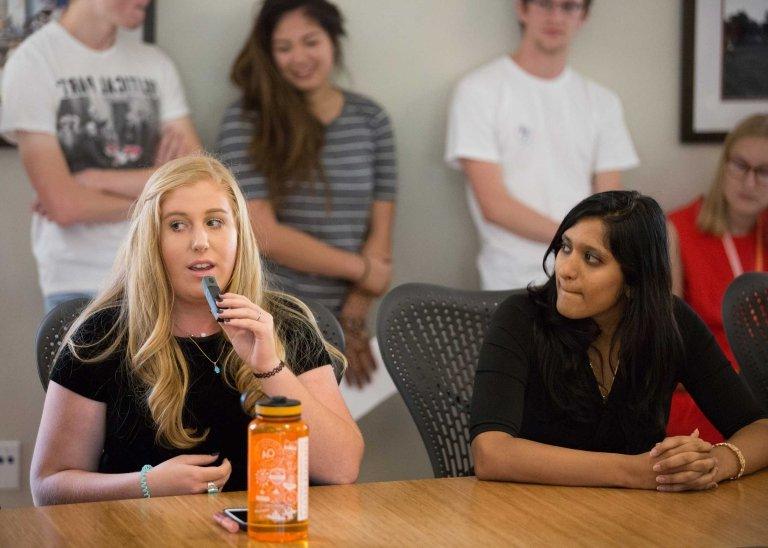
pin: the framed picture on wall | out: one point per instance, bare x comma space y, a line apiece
21, 18
725, 66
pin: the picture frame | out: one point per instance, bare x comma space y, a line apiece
19, 19
724, 66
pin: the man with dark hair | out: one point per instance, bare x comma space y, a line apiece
533, 138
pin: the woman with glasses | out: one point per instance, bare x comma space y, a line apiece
716, 238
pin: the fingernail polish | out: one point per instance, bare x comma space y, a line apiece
661, 479
656, 467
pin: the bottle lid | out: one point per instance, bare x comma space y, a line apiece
278, 406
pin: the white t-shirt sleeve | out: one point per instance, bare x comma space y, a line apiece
29, 95
615, 150
472, 130
173, 102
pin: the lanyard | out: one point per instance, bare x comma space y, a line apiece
733, 256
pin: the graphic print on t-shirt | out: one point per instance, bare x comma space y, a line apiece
108, 122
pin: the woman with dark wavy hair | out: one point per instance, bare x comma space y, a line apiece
317, 165
575, 378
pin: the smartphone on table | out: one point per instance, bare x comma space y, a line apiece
239, 516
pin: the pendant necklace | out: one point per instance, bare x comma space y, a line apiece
600, 383
216, 368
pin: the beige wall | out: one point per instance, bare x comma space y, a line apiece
407, 54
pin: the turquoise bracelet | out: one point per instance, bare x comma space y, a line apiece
143, 480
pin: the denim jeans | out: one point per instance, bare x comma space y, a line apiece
51, 301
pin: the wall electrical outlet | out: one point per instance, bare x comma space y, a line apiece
10, 464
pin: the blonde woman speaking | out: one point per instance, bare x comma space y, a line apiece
144, 397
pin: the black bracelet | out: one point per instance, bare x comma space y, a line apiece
268, 374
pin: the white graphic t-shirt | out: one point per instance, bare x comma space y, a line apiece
106, 109
549, 137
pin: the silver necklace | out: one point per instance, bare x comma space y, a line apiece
216, 368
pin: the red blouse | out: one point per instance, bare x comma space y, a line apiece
706, 275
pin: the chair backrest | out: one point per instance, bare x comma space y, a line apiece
51, 333
430, 338
331, 330
55, 324
745, 316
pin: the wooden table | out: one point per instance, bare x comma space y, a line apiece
449, 512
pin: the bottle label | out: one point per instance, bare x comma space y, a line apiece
281, 479
303, 474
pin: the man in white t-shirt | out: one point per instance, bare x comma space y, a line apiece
533, 138
93, 111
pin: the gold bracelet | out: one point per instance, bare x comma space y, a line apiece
739, 455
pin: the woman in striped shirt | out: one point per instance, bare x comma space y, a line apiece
317, 165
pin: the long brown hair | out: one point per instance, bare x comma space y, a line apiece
287, 139
713, 217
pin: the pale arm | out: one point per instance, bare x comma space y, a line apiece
179, 138
65, 201
675, 261
293, 248
501, 457
67, 451
68, 448
336, 444
498, 207
607, 180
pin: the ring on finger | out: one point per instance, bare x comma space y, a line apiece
212, 489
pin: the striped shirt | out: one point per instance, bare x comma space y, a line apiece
358, 158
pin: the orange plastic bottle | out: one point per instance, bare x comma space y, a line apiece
278, 473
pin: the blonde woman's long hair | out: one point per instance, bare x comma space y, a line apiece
139, 293
713, 217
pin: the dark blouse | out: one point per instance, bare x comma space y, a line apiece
510, 395
210, 402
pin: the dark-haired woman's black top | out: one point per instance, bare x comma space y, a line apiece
210, 403
510, 395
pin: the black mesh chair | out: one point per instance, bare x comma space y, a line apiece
51, 332
430, 338
55, 324
331, 330
745, 316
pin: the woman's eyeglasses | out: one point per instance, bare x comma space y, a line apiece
739, 169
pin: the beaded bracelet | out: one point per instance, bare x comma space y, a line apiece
739, 455
143, 480
271, 372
